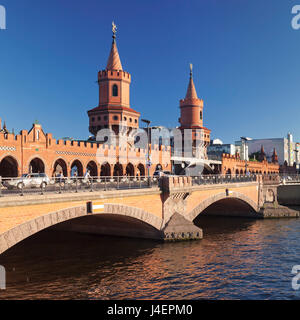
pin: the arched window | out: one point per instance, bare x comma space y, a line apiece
201, 115
115, 90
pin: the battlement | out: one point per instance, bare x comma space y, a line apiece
8, 137
236, 158
191, 102
232, 157
75, 145
114, 74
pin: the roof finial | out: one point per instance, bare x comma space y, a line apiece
191, 70
114, 30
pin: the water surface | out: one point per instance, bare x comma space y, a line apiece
237, 259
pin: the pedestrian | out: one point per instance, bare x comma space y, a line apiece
61, 176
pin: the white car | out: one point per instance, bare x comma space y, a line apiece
31, 180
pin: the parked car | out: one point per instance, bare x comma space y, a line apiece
29, 180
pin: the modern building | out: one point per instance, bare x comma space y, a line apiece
285, 148
217, 148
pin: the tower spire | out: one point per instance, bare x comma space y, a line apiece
114, 61
274, 156
191, 70
191, 91
114, 30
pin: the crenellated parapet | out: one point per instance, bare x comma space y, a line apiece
103, 75
233, 164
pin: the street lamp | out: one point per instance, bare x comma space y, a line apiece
297, 159
148, 122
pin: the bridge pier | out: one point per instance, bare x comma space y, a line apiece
277, 201
174, 199
179, 229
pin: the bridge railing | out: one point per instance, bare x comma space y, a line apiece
286, 178
222, 179
25, 186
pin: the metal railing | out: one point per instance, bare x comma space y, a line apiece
40, 186
25, 186
222, 179
286, 178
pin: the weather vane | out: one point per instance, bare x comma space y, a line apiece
114, 29
191, 69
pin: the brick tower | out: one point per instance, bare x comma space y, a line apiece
114, 109
191, 108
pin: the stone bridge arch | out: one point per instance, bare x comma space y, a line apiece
233, 197
133, 212
59, 218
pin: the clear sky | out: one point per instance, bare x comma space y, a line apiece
245, 55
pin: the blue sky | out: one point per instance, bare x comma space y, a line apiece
245, 55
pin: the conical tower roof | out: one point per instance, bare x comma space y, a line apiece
114, 61
191, 91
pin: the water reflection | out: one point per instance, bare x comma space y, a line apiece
237, 259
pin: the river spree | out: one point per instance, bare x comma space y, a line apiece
237, 259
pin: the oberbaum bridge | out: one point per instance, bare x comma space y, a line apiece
123, 197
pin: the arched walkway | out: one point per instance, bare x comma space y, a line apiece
36, 166
130, 170
77, 168
93, 168
105, 170
60, 166
8, 167
141, 170
237, 204
118, 170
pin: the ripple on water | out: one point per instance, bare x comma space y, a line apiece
244, 260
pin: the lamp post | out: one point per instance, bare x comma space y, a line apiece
297, 159
148, 122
